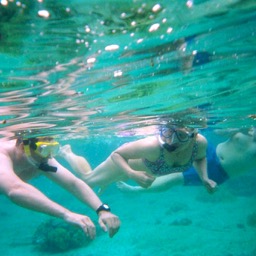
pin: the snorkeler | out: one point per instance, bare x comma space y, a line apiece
173, 151
26, 158
229, 159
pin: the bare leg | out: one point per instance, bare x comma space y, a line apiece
102, 176
162, 183
78, 163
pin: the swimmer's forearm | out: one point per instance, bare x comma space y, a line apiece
30, 198
119, 161
201, 168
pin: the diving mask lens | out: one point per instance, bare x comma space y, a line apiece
182, 136
167, 133
46, 149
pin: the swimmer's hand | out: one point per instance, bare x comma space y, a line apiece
210, 185
142, 178
82, 221
109, 222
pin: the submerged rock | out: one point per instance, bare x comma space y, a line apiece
58, 236
176, 207
182, 222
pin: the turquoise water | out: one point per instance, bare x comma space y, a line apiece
97, 74
93, 63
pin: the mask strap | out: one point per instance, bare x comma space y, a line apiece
160, 140
26, 145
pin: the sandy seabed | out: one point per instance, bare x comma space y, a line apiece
183, 221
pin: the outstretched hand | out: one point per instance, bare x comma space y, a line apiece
144, 179
82, 221
210, 185
109, 222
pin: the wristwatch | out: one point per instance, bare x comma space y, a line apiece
103, 207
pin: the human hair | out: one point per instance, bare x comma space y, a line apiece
190, 118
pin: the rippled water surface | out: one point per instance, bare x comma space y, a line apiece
84, 67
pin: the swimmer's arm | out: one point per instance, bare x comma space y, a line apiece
63, 177
133, 150
201, 168
24, 194
200, 164
74, 185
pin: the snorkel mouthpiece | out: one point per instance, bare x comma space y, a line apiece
47, 168
170, 147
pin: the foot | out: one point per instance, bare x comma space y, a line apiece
65, 150
125, 187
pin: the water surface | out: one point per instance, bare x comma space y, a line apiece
78, 67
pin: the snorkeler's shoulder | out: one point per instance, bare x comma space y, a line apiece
201, 141
150, 141
7, 147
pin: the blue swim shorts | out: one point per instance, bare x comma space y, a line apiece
214, 169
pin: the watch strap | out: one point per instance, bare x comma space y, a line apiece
103, 207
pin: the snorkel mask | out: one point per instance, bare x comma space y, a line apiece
182, 135
176, 135
45, 147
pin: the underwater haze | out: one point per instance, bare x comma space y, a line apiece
96, 74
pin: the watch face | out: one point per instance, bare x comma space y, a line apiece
106, 206
103, 207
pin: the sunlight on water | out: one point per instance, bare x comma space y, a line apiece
78, 67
